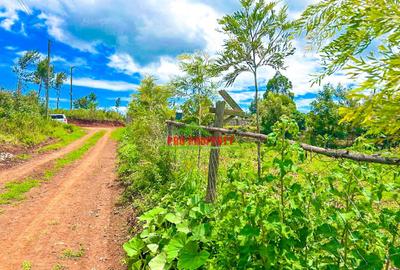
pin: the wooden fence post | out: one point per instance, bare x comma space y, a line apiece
214, 154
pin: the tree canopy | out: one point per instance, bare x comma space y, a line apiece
279, 84
351, 28
23, 68
151, 98
86, 102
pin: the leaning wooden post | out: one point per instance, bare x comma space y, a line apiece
214, 154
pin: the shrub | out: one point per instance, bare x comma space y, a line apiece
22, 121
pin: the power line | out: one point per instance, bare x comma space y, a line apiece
25, 6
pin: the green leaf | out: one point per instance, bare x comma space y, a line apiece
152, 247
190, 258
332, 247
149, 215
173, 218
395, 255
174, 246
158, 262
199, 232
183, 227
133, 247
326, 230
250, 231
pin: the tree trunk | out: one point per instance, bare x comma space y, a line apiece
58, 98
199, 151
19, 87
40, 88
258, 125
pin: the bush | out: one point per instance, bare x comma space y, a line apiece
22, 121
288, 219
95, 115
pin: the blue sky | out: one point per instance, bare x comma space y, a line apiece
114, 43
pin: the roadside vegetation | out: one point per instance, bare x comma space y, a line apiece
92, 115
23, 123
277, 206
86, 109
24, 113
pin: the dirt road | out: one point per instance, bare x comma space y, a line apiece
37, 163
71, 221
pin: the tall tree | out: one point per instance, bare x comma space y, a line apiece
191, 109
323, 123
198, 80
40, 74
352, 27
258, 36
151, 99
279, 84
60, 78
22, 69
117, 104
86, 102
272, 107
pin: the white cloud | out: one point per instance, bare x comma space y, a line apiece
104, 84
128, 25
126, 99
300, 68
123, 62
53, 58
242, 96
61, 99
9, 16
56, 29
303, 104
121, 109
11, 48
164, 69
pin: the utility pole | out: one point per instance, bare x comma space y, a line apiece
48, 78
70, 90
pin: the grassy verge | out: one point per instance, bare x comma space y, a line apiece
14, 191
117, 134
64, 139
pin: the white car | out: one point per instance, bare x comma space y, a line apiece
59, 117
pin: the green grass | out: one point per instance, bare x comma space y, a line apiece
15, 191
77, 154
26, 265
63, 139
117, 134
73, 254
24, 156
58, 266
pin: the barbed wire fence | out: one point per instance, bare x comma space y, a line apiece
187, 140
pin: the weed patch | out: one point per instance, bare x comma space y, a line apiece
64, 138
26, 265
14, 191
58, 266
73, 254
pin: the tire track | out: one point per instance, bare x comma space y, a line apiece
75, 209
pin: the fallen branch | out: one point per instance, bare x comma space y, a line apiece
375, 158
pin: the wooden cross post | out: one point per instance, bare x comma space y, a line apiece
213, 162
